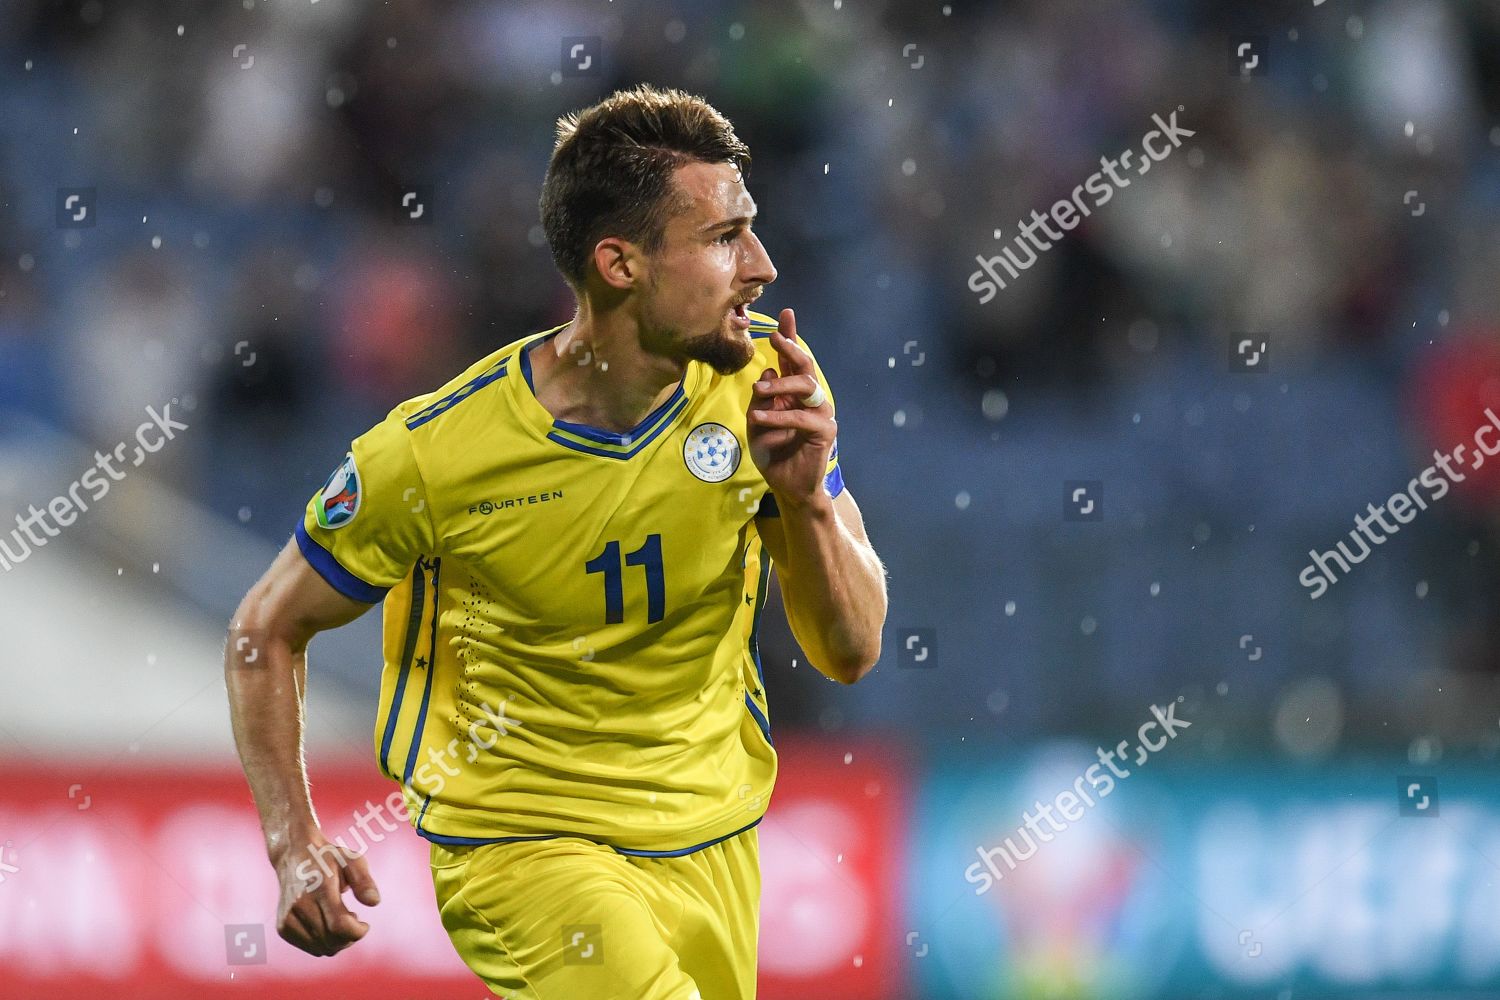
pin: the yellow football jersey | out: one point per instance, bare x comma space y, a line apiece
570, 613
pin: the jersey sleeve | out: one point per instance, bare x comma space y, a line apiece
833, 477
370, 523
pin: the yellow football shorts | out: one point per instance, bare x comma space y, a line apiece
569, 919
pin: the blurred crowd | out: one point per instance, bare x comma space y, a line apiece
1339, 201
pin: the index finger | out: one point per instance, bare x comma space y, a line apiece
794, 360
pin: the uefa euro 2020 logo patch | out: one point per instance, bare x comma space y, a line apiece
338, 501
712, 452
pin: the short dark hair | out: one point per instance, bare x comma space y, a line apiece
611, 170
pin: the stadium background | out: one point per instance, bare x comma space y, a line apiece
1326, 827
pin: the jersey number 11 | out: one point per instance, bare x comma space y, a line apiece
608, 563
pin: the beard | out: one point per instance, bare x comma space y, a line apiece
726, 350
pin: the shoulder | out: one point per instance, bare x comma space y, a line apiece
422, 410
438, 424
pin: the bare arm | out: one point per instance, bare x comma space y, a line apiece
832, 583
265, 670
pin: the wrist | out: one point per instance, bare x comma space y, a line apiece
285, 840
818, 506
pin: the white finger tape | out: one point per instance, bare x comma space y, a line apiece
818, 397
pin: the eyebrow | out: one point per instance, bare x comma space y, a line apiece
738, 220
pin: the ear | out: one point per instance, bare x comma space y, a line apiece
619, 262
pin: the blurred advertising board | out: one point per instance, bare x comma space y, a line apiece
152, 883
1203, 879
832, 848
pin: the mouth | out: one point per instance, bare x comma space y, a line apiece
740, 314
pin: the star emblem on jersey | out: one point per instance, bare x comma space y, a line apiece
338, 500
711, 452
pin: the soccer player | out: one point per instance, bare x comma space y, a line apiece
573, 555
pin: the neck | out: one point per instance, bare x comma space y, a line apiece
595, 372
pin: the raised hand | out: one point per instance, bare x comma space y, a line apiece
790, 442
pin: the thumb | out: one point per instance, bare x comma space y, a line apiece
357, 876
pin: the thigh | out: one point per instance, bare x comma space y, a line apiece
471, 934
718, 937
561, 919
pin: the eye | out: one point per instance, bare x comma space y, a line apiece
729, 237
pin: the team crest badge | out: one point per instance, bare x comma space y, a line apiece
712, 452
338, 500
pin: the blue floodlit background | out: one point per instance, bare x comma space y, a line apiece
1337, 204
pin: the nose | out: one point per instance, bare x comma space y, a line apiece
755, 264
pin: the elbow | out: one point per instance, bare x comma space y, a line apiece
246, 645
864, 659
259, 624
851, 676
861, 657
851, 670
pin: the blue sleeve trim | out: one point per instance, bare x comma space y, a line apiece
338, 577
834, 482
768, 506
